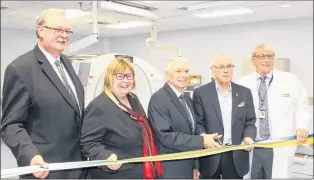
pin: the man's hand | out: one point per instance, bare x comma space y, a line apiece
209, 140
196, 174
38, 160
302, 135
248, 141
113, 157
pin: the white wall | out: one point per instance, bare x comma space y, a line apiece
290, 38
17, 42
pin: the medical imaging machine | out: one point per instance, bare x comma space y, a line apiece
91, 69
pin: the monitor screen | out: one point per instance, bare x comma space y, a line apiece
83, 73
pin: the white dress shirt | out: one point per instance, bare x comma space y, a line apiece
178, 95
52, 60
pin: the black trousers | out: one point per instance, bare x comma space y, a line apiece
226, 168
262, 163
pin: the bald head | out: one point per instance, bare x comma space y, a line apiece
221, 58
177, 73
222, 68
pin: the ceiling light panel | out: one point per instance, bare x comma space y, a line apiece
223, 13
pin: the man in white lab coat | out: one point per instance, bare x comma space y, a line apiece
282, 109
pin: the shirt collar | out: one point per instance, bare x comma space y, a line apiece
268, 75
175, 90
220, 89
50, 58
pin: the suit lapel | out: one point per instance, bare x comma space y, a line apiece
75, 80
235, 97
177, 103
215, 100
52, 75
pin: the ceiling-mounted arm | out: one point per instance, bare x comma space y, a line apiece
95, 17
152, 42
89, 40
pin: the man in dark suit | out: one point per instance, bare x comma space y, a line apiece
224, 107
171, 116
43, 102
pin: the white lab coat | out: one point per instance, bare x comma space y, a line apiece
288, 110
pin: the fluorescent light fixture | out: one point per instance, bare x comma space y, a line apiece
127, 9
212, 4
132, 24
74, 13
222, 13
286, 5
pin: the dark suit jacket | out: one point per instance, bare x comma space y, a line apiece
39, 116
209, 120
172, 131
107, 129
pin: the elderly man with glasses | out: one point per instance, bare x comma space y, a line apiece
226, 108
43, 102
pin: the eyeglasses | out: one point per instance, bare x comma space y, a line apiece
222, 67
58, 31
121, 76
263, 56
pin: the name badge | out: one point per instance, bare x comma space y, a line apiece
262, 114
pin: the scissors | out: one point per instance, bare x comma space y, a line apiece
220, 143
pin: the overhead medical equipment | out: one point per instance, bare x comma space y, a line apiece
126, 9
89, 40
91, 69
152, 42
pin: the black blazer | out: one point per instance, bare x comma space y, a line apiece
209, 120
39, 116
172, 131
107, 129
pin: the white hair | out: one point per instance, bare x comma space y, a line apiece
41, 19
174, 60
261, 46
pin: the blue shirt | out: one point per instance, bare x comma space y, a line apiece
225, 102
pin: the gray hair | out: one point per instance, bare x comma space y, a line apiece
261, 46
41, 19
174, 60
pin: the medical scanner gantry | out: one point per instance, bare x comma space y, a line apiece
91, 69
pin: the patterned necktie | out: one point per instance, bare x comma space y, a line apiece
183, 101
263, 104
67, 86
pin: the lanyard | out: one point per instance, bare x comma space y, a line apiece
265, 94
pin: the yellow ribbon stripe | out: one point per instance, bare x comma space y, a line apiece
166, 157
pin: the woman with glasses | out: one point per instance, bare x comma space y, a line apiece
115, 127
